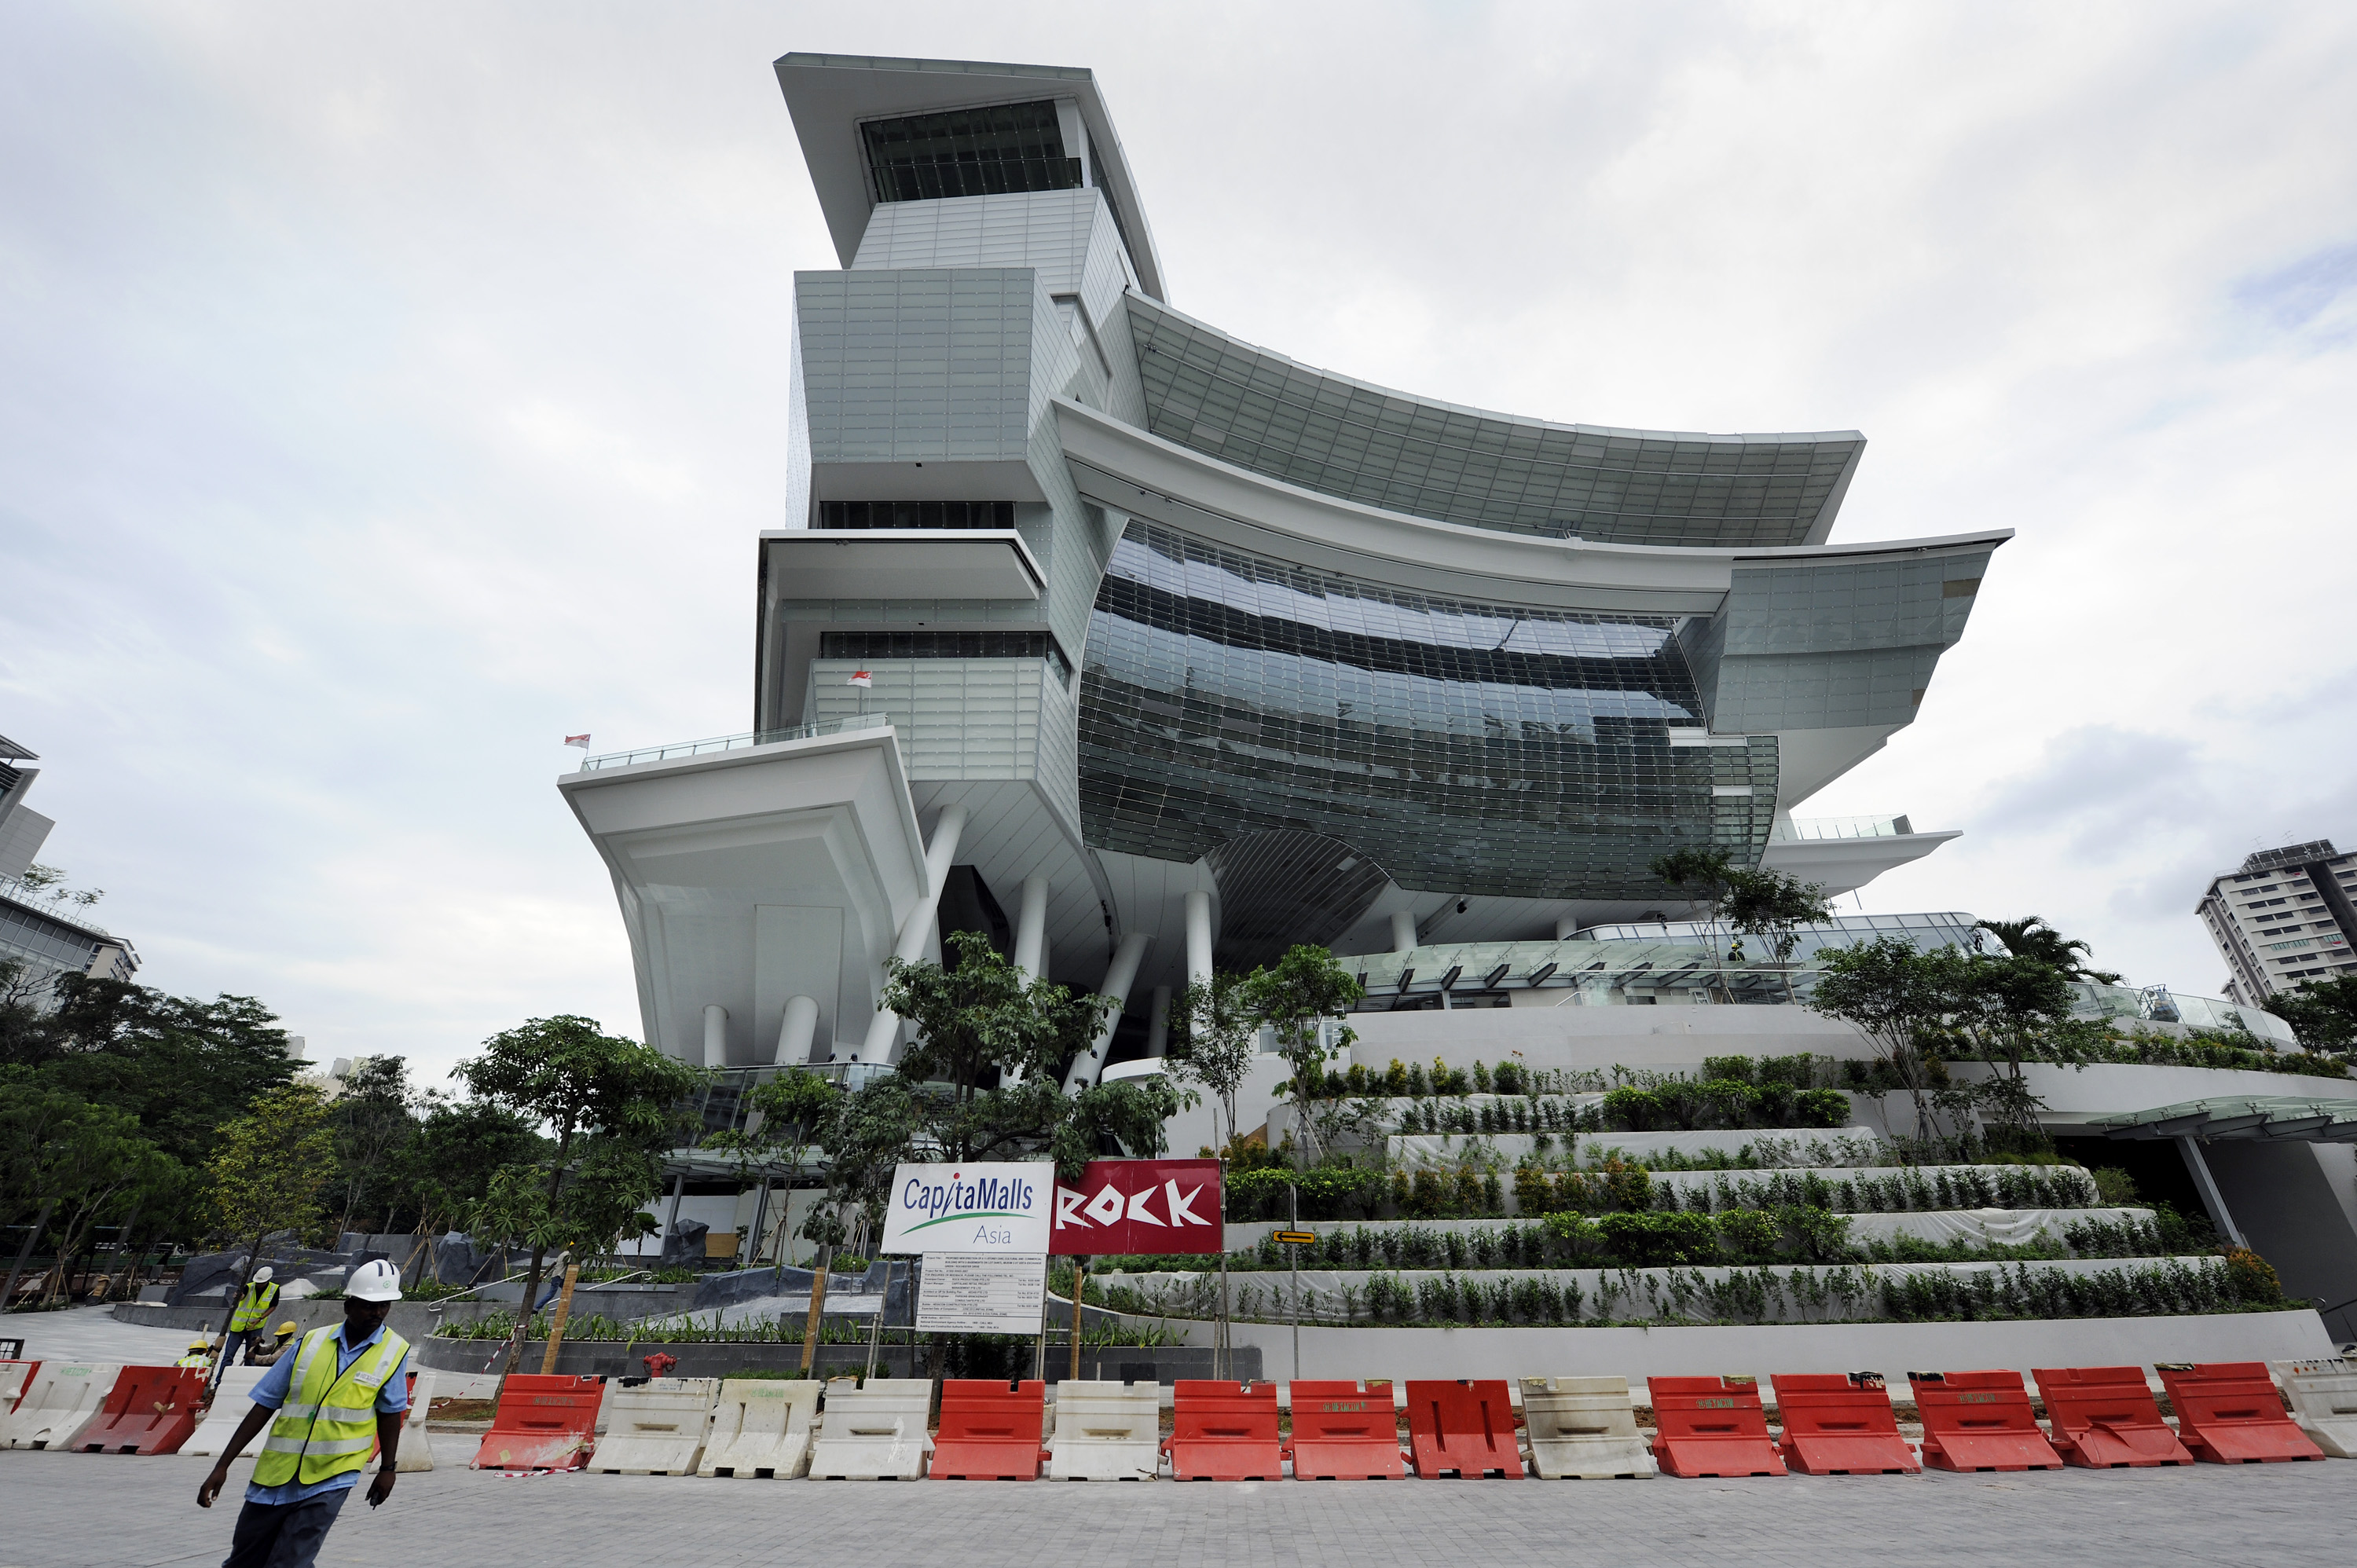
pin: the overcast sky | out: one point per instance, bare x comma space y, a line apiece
386, 391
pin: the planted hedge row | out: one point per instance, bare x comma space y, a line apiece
1847, 1293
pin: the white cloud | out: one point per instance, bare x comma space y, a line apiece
394, 393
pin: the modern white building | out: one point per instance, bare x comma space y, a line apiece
1177, 651
1144, 650
44, 934
2284, 918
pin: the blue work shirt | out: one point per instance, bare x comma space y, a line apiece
278, 1381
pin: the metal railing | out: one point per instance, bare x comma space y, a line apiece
685, 749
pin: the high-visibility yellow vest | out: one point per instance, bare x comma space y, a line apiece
253, 1309
327, 1425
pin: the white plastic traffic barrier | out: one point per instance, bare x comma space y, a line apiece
1584, 1429
2323, 1395
655, 1428
1107, 1431
61, 1399
231, 1400
14, 1375
416, 1448
875, 1433
762, 1429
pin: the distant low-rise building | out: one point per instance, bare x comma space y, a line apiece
36, 929
2283, 918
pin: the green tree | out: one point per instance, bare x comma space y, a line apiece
2006, 1006
1215, 1040
1771, 907
985, 1017
1215, 1037
1896, 997
67, 1159
786, 1116
372, 1119
611, 1106
441, 1174
2033, 937
2322, 1014
267, 1173
1706, 876
1294, 1000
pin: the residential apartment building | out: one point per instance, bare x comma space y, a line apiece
2285, 918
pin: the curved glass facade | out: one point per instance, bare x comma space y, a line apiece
1466, 748
1260, 411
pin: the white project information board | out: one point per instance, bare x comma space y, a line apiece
982, 1293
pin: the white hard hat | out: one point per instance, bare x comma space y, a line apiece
374, 1281
261, 1274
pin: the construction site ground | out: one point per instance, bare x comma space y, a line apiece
70, 1511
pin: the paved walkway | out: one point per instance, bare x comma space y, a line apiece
73, 1511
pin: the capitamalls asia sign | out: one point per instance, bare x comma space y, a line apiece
995, 1208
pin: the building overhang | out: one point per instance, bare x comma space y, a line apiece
829, 95
877, 563
1843, 865
1131, 471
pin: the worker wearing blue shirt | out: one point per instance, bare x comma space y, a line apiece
337, 1395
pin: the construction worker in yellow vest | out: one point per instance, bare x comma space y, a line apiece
339, 1395
269, 1356
253, 1316
199, 1353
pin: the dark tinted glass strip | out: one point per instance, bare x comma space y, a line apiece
916, 514
970, 152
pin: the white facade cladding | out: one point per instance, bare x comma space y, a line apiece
1196, 641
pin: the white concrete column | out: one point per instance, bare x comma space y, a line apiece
794, 1034
1198, 938
1403, 931
716, 1035
1567, 928
1157, 1025
884, 1029
1031, 928
1083, 1074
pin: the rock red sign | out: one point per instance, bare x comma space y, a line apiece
1138, 1205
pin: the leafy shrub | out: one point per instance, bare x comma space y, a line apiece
1735, 1069
1629, 1109
1749, 1234
2253, 1277
1821, 1108
1650, 1240
2115, 1186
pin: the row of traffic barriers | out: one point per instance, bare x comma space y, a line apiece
2100, 1417
2096, 1417
85, 1407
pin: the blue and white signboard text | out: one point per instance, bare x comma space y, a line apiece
986, 1208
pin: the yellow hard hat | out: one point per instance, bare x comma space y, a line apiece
201, 1344
287, 1329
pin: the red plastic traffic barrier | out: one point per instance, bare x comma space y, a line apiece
2104, 1418
1224, 1431
1464, 1428
1711, 1426
2228, 1412
1841, 1423
150, 1409
990, 1430
1345, 1431
1980, 1421
542, 1423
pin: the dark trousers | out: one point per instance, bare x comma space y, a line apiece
284, 1535
243, 1340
